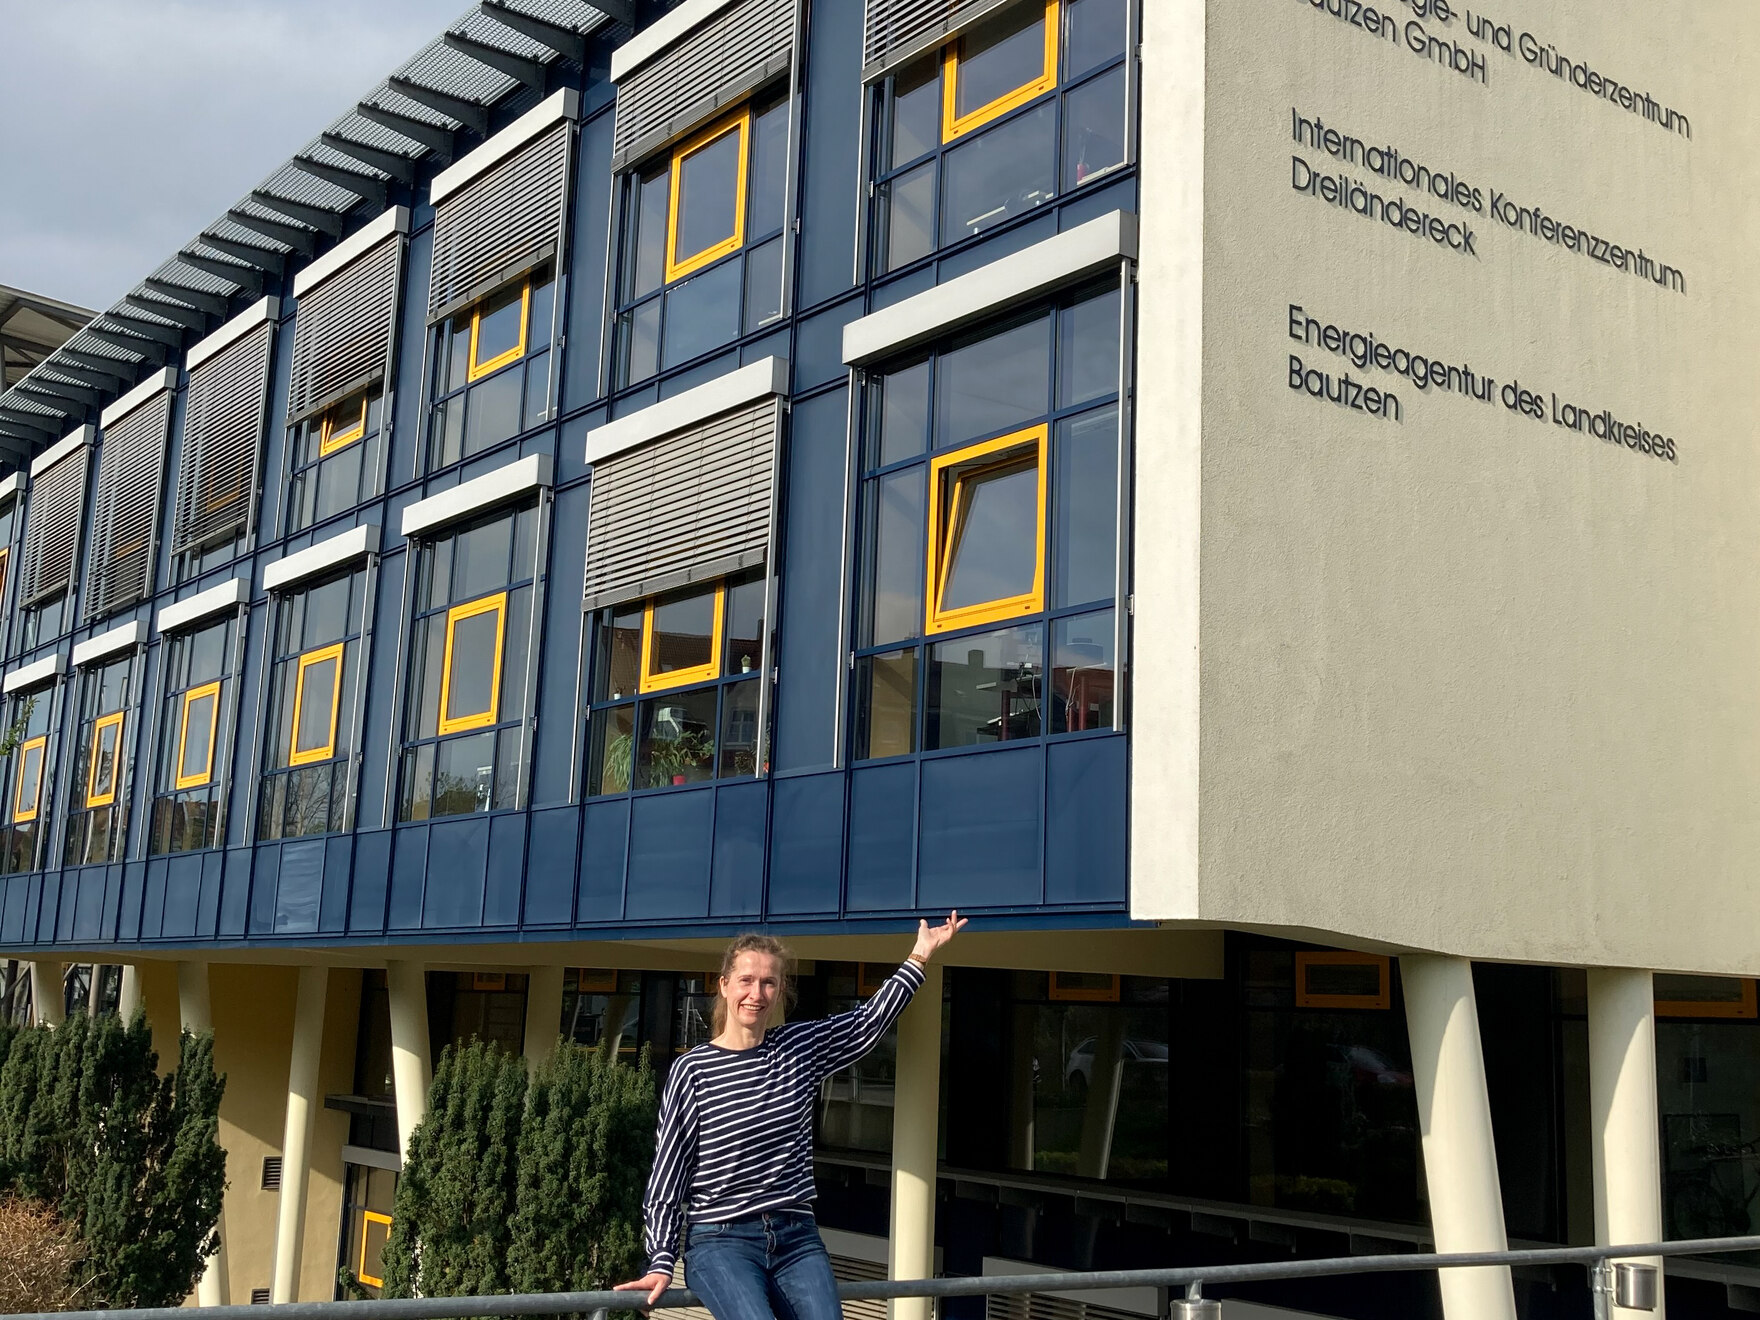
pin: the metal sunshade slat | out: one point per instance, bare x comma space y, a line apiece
223, 435
131, 471
342, 331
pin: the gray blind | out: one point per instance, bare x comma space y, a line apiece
52, 527
125, 524
686, 508
501, 224
741, 49
897, 30
342, 331
222, 442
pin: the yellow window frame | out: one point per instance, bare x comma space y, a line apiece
477, 370
93, 797
330, 438
1746, 1005
5, 569
1381, 999
22, 814
652, 682
952, 125
1081, 988
497, 605
370, 1217
315, 754
206, 692
944, 538
678, 267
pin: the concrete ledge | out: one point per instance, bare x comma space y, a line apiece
364, 239
1019, 277
521, 477
263, 310
158, 382
761, 379
565, 104
356, 543
660, 34
35, 674
180, 614
126, 637
13, 483
62, 448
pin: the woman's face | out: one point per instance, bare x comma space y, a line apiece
751, 988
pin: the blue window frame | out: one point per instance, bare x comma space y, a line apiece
195, 738
492, 377
334, 459
97, 793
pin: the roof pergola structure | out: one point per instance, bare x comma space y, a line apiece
31, 327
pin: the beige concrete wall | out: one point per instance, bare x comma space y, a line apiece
1469, 682
324, 1189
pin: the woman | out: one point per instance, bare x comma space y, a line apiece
736, 1139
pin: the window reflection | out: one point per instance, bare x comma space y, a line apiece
1006, 172
985, 689
993, 383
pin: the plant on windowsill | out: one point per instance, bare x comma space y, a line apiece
15, 734
670, 760
614, 775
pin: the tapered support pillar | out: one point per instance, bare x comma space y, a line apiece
303, 1103
1454, 1117
48, 994
543, 1013
916, 1105
1623, 1131
129, 998
195, 1010
406, 984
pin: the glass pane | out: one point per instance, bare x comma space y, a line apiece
308, 800
1093, 136
1082, 681
907, 217
767, 190
1084, 524
886, 709
1000, 54
464, 770
623, 671
916, 111
456, 351
428, 641
763, 284
684, 634
499, 324
508, 770
901, 413
1091, 1070
492, 411
613, 743
315, 707
481, 558
339, 478
326, 613
702, 313
418, 783
543, 308
985, 689
708, 188
514, 656
739, 729
102, 774
448, 444
207, 655
678, 739
194, 758
470, 689
1094, 32
30, 777
537, 374
994, 384
745, 627
894, 582
1087, 350
1006, 171
993, 549
655, 195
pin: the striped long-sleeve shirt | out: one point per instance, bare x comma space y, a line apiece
736, 1126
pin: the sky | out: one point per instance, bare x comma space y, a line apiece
128, 125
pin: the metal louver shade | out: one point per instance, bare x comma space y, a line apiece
713, 67
52, 527
688, 507
501, 224
222, 442
898, 30
342, 331
131, 474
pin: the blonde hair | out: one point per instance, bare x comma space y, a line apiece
770, 947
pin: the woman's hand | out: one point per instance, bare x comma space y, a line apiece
653, 1284
930, 938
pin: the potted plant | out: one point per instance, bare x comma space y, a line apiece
670, 760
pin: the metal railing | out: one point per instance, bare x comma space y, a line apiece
1630, 1284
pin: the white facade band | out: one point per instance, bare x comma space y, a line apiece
565, 104
63, 447
522, 477
356, 543
35, 674
267, 308
106, 644
657, 36
768, 376
198, 607
364, 239
163, 379
11, 485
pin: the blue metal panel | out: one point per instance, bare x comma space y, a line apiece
834, 110
112, 903
134, 884
153, 902
903, 286
558, 750
571, 452
669, 849
882, 837
235, 893
604, 859
980, 842
300, 887
812, 557
33, 906
412, 334
66, 887
818, 346
550, 866
506, 869
88, 905
806, 845
372, 883
208, 901
1085, 822
1006, 243
338, 864
409, 864
774, 345
265, 881
1120, 196
12, 918
458, 857
713, 369
586, 277
736, 882
379, 708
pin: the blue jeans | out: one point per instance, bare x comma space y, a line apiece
771, 1264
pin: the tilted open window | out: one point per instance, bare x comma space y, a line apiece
1002, 62
103, 763
470, 677
317, 699
27, 790
987, 531
198, 724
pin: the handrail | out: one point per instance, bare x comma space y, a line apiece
1190, 1277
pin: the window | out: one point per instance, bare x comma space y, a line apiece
27, 789
97, 810
684, 290
334, 459
1084, 987
677, 689
309, 741
195, 738
375, 1232
342, 425
29, 718
1025, 106
492, 373
44, 622
1342, 980
465, 737
988, 551
1705, 997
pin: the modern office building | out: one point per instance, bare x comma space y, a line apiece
1254, 503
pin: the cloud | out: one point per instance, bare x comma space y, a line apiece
133, 123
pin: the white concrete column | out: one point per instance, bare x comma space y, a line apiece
1624, 1132
543, 1013
406, 984
195, 1010
1454, 1116
128, 1000
48, 994
303, 1103
916, 1116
